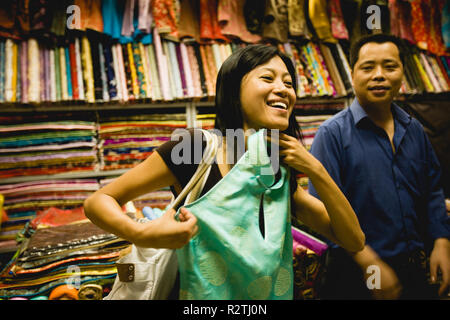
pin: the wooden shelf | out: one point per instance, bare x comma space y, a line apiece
66, 175
61, 107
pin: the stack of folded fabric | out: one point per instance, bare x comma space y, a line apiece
24, 201
39, 145
322, 69
155, 199
205, 121
69, 254
309, 126
127, 140
309, 118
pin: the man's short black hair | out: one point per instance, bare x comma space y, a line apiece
378, 38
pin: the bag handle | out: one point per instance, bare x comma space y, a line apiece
195, 185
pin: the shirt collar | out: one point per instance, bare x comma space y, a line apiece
359, 113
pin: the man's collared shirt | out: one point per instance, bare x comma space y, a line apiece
397, 196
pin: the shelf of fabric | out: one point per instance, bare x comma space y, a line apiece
90, 70
116, 58
25, 201
425, 72
310, 114
61, 107
155, 199
309, 126
67, 175
34, 144
127, 139
74, 253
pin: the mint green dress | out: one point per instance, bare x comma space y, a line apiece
229, 258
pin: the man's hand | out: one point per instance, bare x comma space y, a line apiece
440, 260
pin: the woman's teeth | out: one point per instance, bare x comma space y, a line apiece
279, 105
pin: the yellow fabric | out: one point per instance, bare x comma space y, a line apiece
317, 10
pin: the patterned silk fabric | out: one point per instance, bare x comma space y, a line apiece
229, 258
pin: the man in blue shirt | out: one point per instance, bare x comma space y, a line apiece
383, 162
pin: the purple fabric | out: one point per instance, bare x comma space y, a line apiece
309, 241
24, 70
49, 147
123, 140
181, 66
49, 156
42, 79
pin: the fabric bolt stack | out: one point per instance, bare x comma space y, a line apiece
425, 72
25, 201
37, 145
317, 69
309, 126
171, 50
421, 22
90, 70
309, 118
126, 140
74, 253
156, 199
205, 121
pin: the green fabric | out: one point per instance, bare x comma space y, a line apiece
229, 258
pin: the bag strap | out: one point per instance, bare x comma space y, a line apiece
195, 185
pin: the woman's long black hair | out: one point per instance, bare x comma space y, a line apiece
228, 89
228, 86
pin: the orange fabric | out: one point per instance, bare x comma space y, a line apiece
64, 292
165, 15
91, 14
419, 27
209, 25
435, 41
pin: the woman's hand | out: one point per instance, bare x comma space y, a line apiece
166, 232
332, 215
295, 155
387, 283
390, 286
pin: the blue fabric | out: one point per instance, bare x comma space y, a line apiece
112, 12
446, 24
397, 197
68, 72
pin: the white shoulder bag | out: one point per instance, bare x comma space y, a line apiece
150, 273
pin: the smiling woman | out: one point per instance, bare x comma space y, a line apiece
267, 96
258, 67
230, 243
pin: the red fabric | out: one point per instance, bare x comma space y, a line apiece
4, 216
209, 24
418, 26
73, 71
57, 217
